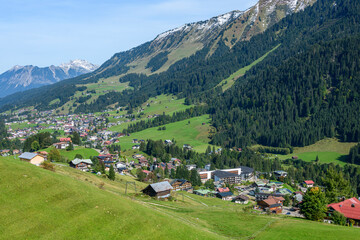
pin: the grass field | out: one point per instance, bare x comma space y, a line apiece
195, 134
85, 152
228, 82
328, 150
167, 104
16, 126
68, 204
40, 204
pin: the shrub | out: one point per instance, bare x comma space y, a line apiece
48, 166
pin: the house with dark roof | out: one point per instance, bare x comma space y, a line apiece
33, 158
226, 177
181, 185
350, 208
158, 190
241, 199
81, 164
227, 196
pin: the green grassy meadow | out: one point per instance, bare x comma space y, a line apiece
69, 204
40, 204
85, 152
328, 150
195, 134
167, 104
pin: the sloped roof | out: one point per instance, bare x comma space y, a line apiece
225, 194
78, 160
246, 170
309, 182
28, 155
241, 197
179, 180
271, 200
225, 189
223, 174
161, 186
350, 208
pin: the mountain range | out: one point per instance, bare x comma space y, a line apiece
170, 47
301, 83
20, 78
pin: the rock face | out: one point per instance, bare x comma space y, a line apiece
20, 78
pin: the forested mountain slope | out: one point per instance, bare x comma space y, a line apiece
167, 54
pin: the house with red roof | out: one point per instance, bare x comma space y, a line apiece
65, 140
225, 189
309, 183
350, 208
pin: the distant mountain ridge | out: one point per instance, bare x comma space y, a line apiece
186, 40
20, 78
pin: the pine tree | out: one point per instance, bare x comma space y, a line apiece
314, 204
112, 173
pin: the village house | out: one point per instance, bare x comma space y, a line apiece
298, 196
61, 145
272, 204
81, 164
225, 189
280, 173
68, 140
181, 185
204, 192
308, 183
241, 199
33, 158
190, 167
350, 208
158, 190
226, 196
259, 196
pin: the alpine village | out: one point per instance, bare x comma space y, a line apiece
242, 126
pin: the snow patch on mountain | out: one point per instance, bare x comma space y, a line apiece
20, 78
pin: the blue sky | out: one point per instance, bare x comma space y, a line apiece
46, 32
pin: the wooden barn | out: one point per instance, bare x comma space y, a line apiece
159, 190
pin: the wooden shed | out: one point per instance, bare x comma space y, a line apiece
159, 190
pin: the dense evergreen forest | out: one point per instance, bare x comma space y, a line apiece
308, 97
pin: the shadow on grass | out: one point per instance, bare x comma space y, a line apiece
343, 158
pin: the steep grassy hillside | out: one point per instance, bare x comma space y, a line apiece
39, 204
193, 131
68, 204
